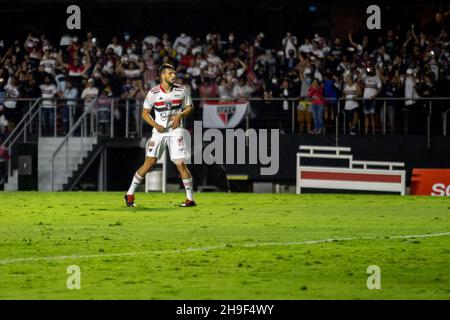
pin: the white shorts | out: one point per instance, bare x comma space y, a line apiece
177, 141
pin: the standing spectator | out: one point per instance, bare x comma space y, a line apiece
48, 91
70, 95
315, 92
304, 115
372, 88
331, 93
286, 92
393, 91
89, 94
207, 89
289, 43
351, 91
409, 111
31, 88
224, 89
77, 69
182, 43
48, 62
3, 121
12, 112
150, 40
117, 48
426, 89
104, 106
242, 89
307, 47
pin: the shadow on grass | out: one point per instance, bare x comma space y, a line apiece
139, 209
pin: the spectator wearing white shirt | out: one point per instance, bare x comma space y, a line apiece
242, 89
410, 95
48, 90
70, 94
372, 88
306, 47
224, 89
48, 62
150, 40
351, 91
89, 94
182, 43
115, 46
11, 111
289, 42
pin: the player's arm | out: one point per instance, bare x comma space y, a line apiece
149, 119
147, 108
176, 119
188, 109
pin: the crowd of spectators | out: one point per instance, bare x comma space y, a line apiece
401, 63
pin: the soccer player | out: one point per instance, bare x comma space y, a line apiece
172, 103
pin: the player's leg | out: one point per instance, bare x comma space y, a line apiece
138, 179
179, 154
153, 149
186, 177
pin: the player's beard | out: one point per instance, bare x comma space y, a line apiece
170, 83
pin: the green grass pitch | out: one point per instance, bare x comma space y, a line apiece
231, 246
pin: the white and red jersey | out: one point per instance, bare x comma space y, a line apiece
167, 104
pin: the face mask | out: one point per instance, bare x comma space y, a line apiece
231, 38
129, 51
126, 38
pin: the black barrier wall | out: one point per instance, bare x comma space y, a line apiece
124, 157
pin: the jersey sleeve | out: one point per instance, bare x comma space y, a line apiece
187, 99
149, 101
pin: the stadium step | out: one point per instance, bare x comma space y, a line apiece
13, 182
63, 170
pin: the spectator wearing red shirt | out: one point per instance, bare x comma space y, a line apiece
315, 92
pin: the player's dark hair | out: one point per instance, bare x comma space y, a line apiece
163, 67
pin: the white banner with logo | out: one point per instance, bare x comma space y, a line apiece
221, 115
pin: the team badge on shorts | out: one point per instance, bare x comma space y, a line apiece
151, 145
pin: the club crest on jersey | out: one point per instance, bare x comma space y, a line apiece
168, 104
226, 113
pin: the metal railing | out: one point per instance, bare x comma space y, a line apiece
21, 129
124, 115
82, 125
124, 119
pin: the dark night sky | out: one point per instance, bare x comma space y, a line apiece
196, 17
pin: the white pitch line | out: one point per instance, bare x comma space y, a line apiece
218, 247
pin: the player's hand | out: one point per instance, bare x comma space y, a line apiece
176, 120
160, 128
